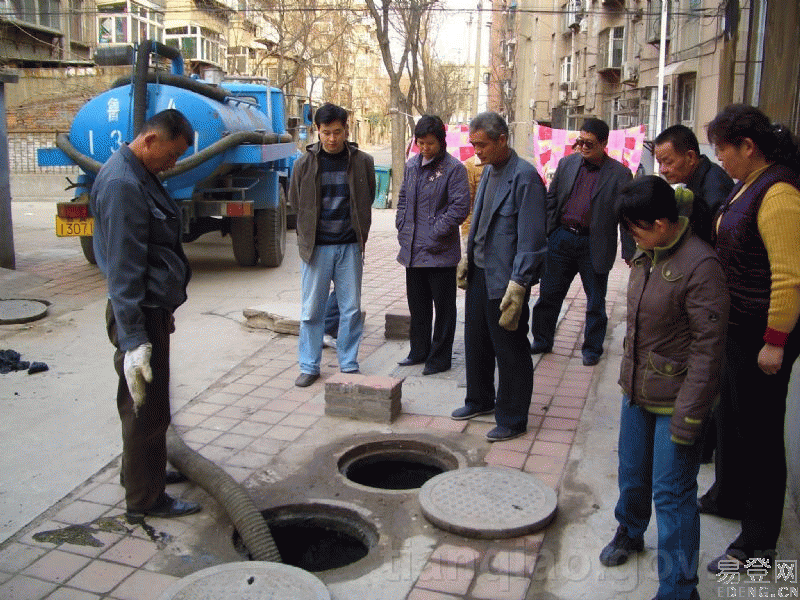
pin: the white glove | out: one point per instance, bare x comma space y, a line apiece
137, 372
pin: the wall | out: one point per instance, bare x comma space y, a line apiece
793, 436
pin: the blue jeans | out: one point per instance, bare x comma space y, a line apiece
568, 255
342, 265
651, 465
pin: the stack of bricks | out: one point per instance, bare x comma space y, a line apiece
363, 397
398, 323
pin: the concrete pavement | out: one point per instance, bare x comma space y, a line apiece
234, 401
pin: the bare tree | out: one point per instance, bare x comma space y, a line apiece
399, 23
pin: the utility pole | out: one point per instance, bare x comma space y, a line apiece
7, 257
475, 92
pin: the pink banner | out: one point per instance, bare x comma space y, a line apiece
457, 140
548, 146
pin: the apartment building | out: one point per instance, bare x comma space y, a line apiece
561, 61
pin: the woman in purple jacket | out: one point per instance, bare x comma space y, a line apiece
433, 202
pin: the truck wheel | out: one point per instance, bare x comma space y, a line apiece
271, 233
87, 245
244, 241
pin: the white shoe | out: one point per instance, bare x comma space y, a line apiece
328, 341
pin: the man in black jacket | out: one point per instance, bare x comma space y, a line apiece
137, 243
582, 223
679, 161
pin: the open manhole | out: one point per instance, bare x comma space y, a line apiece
317, 537
396, 464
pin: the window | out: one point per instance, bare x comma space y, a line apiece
654, 8
566, 69
197, 43
46, 13
115, 25
571, 13
687, 89
648, 109
610, 48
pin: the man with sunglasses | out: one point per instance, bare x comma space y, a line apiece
582, 223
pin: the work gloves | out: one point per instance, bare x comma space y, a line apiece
511, 306
461, 273
138, 372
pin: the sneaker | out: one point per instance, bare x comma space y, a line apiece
328, 341
502, 434
468, 412
590, 359
620, 548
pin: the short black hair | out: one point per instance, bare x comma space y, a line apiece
329, 113
646, 199
172, 123
681, 137
490, 123
598, 127
433, 125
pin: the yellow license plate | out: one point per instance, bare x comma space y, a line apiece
73, 227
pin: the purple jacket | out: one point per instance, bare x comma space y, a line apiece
433, 202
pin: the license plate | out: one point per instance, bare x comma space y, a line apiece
73, 227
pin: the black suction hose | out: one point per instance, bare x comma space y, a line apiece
235, 500
90, 165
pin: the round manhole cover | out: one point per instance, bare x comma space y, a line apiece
21, 311
487, 502
252, 580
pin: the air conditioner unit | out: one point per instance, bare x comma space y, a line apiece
562, 96
630, 72
572, 95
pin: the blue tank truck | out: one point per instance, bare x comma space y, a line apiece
233, 178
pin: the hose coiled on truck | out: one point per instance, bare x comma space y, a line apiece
235, 139
250, 524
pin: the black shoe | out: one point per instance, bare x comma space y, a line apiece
306, 379
620, 548
468, 412
733, 562
706, 506
433, 370
353, 372
590, 359
167, 507
540, 348
171, 477
408, 361
501, 434
695, 595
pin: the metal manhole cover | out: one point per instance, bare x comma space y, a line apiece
21, 311
250, 581
487, 502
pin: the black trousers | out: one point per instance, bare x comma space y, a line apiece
751, 455
144, 435
429, 289
486, 343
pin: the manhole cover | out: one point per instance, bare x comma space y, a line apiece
487, 502
252, 580
21, 311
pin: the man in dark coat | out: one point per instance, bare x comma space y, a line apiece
680, 162
137, 242
505, 251
582, 223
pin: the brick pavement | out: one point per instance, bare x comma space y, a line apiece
252, 414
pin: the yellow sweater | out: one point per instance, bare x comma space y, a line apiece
779, 226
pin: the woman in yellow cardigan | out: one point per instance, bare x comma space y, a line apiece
758, 242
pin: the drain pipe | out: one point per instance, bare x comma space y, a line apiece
234, 499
